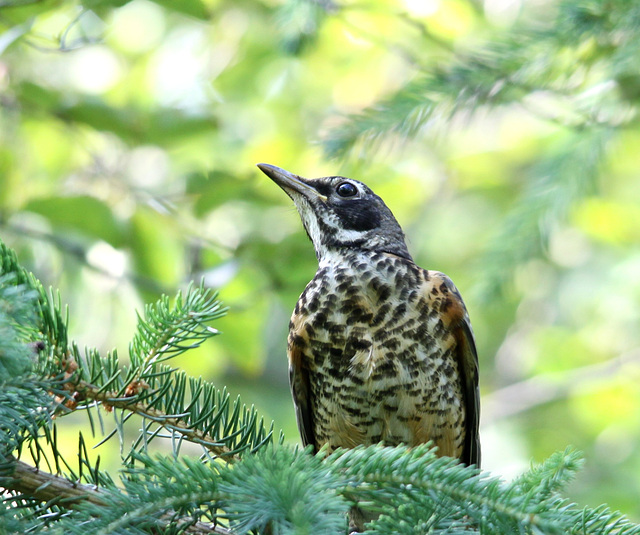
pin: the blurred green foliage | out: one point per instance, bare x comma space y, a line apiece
503, 135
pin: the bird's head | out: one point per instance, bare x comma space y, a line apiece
340, 213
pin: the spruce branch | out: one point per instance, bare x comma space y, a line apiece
223, 430
56, 491
166, 331
42, 486
514, 67
24, 405
489, 76
429, 484
289, 490
172, 422
551, 476
162, 495
191, 408
51, 379
48, 330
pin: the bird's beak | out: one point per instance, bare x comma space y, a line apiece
288, 181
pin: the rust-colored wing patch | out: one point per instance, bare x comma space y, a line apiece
456, 319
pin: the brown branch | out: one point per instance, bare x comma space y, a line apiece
43, 486
31, 482
110, 399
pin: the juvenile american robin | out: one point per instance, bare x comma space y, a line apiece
380, 350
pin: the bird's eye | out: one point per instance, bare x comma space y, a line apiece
346, 189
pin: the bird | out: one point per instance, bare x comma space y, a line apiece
380, 351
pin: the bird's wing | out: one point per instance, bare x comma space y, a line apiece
456, 319
300, 387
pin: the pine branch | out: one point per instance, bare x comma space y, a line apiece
45, 487
163, 495
59, 380
289, 490
508, 69
179, 423
54, 490
162, 395
489, 76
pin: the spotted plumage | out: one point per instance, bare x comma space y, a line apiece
380, 350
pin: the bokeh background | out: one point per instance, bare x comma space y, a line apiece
503, 134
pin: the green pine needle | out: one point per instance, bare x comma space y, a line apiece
288, 490
166, 331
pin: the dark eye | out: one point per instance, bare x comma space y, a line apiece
346, 189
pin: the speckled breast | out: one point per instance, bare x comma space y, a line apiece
373, 333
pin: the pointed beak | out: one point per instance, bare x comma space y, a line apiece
288, 181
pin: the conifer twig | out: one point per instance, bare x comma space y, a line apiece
30, 481
21, 477
110, 399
